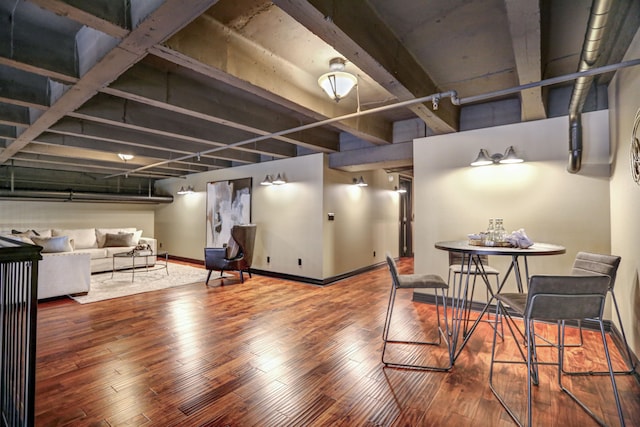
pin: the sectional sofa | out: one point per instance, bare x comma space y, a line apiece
70, 256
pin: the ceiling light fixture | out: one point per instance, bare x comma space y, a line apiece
360, 182
337, 83
125, 157
484, 158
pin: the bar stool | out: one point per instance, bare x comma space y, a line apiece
458, 267
552, 298
416, 281
590, 263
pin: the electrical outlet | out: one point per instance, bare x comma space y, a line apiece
299, 261
374, 254
160, 245
268, 260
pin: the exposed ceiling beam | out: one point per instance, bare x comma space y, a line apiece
354, 29
155, 152
84, 17
64, 163
178, 94
88, 129
133, 115
167, 19
227, 56
101, 157
524, 25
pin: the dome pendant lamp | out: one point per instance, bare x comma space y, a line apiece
337, 83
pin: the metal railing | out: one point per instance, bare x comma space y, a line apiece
18, 317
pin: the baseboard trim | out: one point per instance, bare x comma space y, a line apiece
609, 327
318, 282
293, 277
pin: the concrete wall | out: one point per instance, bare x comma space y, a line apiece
292, 218
624, 102
23, 214
453, 199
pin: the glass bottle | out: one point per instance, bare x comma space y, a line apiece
500, 233
490, 236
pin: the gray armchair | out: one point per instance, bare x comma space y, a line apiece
225, 258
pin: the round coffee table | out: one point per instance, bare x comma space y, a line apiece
164, 256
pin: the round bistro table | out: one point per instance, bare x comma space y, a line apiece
471, 256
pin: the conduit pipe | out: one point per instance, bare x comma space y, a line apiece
71, 196
590, 53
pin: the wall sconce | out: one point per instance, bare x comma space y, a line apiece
279, 180
359, 182
485, 159
189, 190
400, 190
337, 83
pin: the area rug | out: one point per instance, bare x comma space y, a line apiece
104, 287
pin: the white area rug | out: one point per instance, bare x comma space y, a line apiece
104, 287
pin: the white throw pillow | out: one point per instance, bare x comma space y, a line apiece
84, 238
136, 236
53, 244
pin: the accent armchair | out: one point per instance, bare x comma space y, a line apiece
237, 255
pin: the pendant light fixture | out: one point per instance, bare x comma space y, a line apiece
337, 83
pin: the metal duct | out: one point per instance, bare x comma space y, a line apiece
590, 53
70, 196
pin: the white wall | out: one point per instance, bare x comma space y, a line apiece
453, 199
23, 214
366, 220
288, 217
292, 218
624, 102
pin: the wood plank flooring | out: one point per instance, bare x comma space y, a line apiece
271, 352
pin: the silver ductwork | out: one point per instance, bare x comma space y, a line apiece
71, 196
590, 53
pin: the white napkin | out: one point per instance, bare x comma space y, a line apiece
519, 239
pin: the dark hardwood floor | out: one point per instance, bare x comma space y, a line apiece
271, 352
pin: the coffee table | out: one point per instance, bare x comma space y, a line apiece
163, 256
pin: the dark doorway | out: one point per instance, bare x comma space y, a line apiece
406, 217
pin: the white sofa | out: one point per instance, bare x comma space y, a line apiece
69, 256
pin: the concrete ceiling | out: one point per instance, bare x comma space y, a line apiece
194, 85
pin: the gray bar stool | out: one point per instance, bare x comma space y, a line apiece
590, 263
551, 298
416, 281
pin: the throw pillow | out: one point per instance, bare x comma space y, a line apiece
232, 248
53, 244
27, 233
136, 236
120, 239
85, 238
101, 233
23, 239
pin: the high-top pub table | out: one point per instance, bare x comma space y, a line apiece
471, 257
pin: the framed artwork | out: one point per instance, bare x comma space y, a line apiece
228, 204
